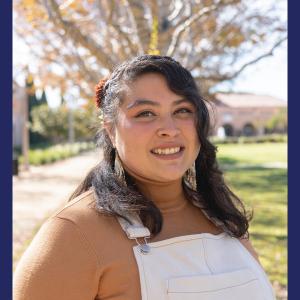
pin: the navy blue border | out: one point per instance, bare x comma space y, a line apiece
6, 149
293, 151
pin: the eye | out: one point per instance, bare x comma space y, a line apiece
145, 114
184, 110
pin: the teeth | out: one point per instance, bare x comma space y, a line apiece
166, 151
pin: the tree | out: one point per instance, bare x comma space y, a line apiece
43, 99
278, 123
33, 101
52, 124
78, 42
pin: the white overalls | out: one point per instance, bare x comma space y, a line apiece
199, 266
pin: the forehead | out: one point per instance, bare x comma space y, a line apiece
152, 86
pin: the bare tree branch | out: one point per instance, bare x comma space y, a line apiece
77, 35
176, 12
86, 39
180, 29
251, 62
224, 77
134, 23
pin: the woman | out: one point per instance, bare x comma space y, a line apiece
154, 220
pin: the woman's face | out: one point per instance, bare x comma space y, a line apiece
155, 133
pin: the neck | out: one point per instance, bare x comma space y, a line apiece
167, 196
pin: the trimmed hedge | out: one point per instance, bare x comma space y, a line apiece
271, 138
54, 153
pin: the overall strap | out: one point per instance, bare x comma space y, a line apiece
136, 229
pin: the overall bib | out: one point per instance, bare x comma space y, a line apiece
200, 266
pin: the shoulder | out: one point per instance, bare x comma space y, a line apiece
78, 229
248, 245
81, 213
79, 207
81, 210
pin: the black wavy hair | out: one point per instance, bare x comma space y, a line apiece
118, 199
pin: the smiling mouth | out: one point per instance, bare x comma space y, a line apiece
167, 151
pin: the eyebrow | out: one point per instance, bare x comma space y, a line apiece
140, 102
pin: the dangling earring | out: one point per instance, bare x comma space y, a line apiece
190, 178
119, 170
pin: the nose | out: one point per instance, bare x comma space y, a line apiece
168, 128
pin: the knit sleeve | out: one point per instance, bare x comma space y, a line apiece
59, 264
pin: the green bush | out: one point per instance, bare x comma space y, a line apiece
278, 123
53, 124
56, 152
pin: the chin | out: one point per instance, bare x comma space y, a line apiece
172, 176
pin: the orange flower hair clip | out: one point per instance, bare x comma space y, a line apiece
99, 92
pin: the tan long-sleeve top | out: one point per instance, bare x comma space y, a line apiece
81, 254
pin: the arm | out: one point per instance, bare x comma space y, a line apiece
59, 264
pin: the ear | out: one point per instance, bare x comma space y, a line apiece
108, 126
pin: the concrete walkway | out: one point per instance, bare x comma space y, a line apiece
42, 190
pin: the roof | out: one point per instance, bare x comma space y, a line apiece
248, 100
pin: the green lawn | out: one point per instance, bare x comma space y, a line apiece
264, 189
253, 153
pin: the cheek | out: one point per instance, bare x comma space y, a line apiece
191, 135
190, 131
132, 138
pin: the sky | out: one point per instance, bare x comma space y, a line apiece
267, 77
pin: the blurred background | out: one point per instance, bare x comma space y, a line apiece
235, 49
